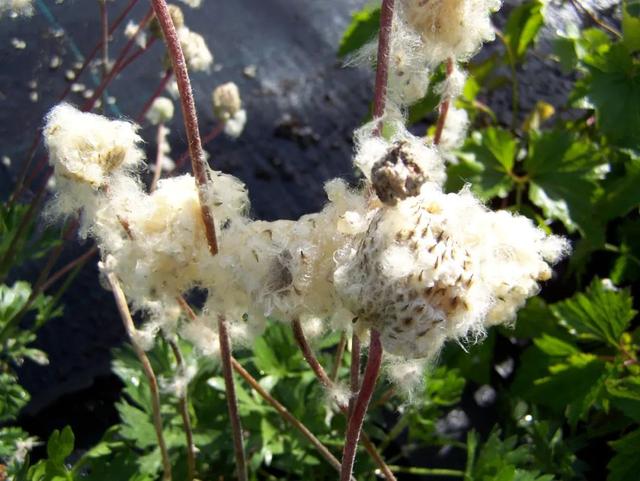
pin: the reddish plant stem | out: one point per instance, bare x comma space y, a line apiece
286, 415
117, 66
68, 267
382, 70
125, 63
360, 406
444, 108
217, 130
160, 139
354, 372
156, 93
282, 411
307, 352
232, 401
320, 373
198, 162
130, 328
104, 21
19, 188
183, 404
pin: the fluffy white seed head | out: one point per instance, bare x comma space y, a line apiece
441, 266
226, 101
88, 148
192, 3
234, 126
450, 28
196, 53
455, 128
161, 111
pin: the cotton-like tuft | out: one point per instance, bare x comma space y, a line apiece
451, 28
161, 111
441, 266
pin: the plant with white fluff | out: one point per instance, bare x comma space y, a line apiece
401, 261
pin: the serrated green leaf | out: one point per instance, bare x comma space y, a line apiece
621, 194
598, 313
487, 163
554, 346
625, 464
12, 397
613, 88
626, 268
560, 169
522, 27
626, 395
363, 27
136, 425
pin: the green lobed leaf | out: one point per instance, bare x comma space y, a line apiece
363, 27
626, 395
627, 265
598, 313
60, 445
613, 88
561, 171
487, 162
621, 193
625, 464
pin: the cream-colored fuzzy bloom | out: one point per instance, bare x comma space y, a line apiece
451, 28
226, 101
455, 128
196, 53
133, 29
161, 111
16, 8
86, 147
441, 266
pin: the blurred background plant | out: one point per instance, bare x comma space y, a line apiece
557, 397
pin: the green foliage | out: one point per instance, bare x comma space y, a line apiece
522, 27
363, 27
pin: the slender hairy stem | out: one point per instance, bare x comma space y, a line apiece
130, 328
382, 69
115, 70
183, 404
131, 58
160, 140
232, 401
286, 415
444, 108
20, 185
156, 93
578, 5
354, 376
337, 362
282, 411
454, 473
515, 83
104, 24
320, 373
360, 406
217, 130
198, 162
78, 261
307, 352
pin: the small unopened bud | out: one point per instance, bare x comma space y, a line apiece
226, 101
161, 111
397, 175
176, 15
